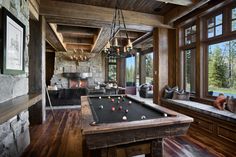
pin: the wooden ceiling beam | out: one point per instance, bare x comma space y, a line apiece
181, 11
178, 2
76, 30
78, 47
102, 40
95, 13
78, 41
131, 35
52, 38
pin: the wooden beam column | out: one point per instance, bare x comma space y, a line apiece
37, 68
160, 61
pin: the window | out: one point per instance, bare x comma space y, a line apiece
222, 68
189, 70
233, 18
112, 69
130, 71
215, 26
188, 58
190, 35
149, 68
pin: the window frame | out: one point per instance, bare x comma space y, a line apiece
226, 35
184, 47
108, 65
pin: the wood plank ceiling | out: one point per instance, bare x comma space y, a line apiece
84, 25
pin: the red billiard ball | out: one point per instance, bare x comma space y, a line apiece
112, 100
113, 108
120, 107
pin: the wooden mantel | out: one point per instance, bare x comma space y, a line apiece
16, 105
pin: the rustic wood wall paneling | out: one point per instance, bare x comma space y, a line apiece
160, 43
37, 79
121, 72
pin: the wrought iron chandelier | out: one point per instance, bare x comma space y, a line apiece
114, 48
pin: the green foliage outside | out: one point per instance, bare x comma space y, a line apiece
222, 67
149, 68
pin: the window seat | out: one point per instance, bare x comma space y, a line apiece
206, 109
213, 126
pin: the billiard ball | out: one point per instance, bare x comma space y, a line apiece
130, 102
165, 115
93, 123
143, 117
120, 107
109, 97
100, 97
113, 108
126, 110
101, 107
124, 118
118, 101
118, 98
112, 100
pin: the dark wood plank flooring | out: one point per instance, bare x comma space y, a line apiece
62, 138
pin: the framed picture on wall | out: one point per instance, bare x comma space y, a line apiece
13, 44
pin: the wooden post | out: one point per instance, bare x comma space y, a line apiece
37, 69
160, 62
157, 148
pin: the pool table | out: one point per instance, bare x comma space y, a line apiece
121, 125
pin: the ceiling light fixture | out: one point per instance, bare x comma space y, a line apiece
116, 48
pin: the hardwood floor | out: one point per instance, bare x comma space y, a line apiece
62, 138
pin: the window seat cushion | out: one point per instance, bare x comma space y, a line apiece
206, 109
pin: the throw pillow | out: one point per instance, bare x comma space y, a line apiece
168, 92
181, 95
231, 104
220, 102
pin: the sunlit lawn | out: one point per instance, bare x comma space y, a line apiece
222, 90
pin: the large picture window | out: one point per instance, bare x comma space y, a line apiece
130, 71
149, 68
222, 68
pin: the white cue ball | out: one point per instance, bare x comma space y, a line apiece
143, 117
124, 118
119, 98
109, 97
165, 115
100, 97
130, 102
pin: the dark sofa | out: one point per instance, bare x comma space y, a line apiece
146, 91
63, 97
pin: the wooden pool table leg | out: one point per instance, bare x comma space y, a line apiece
157, 148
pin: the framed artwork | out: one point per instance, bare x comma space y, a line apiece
13, 44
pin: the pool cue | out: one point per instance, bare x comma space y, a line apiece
50, 104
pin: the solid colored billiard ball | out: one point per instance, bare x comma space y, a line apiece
112, 100
120, 107
113, 108
100, 97
101, 107
165, 115
124, 118
126, 110
143, 117
130, 102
